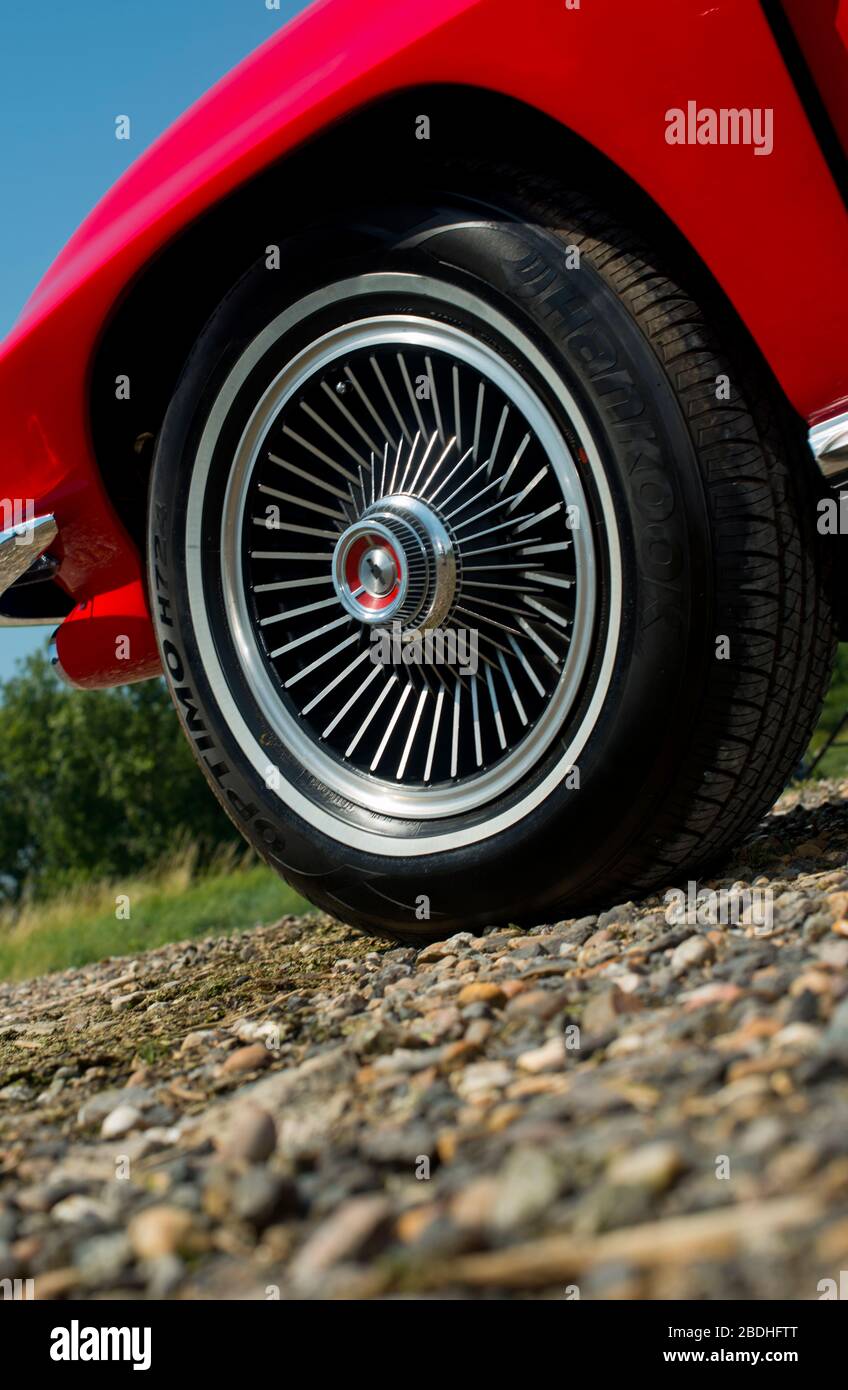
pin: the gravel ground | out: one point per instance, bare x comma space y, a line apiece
620, 1106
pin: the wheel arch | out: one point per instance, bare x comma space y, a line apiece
473, 130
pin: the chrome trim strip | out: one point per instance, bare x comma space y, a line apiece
28, 622
829, 443
22, 545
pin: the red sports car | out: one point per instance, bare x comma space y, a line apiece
433, 404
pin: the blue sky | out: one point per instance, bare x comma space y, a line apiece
66, 72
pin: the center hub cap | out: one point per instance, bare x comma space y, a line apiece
378, 572
396, 564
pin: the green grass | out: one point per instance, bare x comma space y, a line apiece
835, 761
173, 904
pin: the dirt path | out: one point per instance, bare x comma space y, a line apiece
621, 1106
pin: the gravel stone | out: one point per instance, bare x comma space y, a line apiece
504, 1114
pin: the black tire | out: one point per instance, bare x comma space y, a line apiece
714, 506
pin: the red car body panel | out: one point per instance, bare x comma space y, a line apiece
772, 230
814, 23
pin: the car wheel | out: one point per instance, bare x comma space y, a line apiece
510, 434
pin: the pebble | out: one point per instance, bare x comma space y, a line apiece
120, 1121
80, 1210
250, 1133
603, 1011
102, 1259
43, 1196
527, 1187
102, 1104
480, 1078
549, 1057
538, 1003
164, 1274
159, 1230
261, 1197
625, 912
837, 1030
655, 1166
481, 993
343, 1236
122, 1002
202, 1038
244, 1059
473, 1206
692, 952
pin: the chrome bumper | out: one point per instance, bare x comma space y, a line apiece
829, 443
23, 545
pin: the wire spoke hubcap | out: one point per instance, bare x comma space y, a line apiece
401, 478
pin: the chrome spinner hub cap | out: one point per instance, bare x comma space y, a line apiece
396, 564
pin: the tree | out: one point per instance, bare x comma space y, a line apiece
94, 783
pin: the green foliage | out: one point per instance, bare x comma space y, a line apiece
94, 784
81, 925
97, 785
835, 761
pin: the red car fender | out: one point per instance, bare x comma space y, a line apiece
607, 70
108, 640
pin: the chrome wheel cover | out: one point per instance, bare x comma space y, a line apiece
396, 786
343, 454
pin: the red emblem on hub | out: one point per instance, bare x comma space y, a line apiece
373, 572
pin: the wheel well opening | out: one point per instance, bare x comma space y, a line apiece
373, 154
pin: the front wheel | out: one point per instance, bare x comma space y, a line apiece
486, 583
